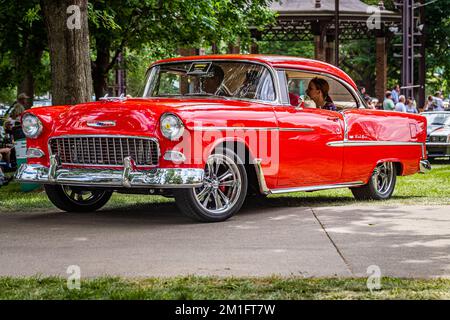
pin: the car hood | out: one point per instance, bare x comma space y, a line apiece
442, 131
128, 116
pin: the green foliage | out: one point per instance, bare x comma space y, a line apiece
137, 63
22, 41
437, 29
292, 48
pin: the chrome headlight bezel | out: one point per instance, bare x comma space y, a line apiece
31, 126
171, 126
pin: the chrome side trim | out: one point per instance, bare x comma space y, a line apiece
265, 190
317, 188
363, 143
297, 129
171, 178
224, 128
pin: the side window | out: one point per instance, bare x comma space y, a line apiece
338, 96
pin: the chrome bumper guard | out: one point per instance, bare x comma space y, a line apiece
129, 177
425, 166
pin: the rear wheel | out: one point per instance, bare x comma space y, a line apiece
77, 199
381, 184
222, 193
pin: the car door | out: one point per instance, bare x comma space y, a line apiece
306, 158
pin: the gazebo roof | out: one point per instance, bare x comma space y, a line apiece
326, 8
298, 20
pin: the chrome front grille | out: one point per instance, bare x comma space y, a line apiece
105, 150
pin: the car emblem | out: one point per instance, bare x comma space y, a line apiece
98, 124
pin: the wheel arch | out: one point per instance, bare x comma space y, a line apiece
399, 166
248, 158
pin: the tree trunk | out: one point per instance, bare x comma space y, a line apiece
27, 86
100, 67
69, 51
27, 62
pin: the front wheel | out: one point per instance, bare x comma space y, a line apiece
381, 184
222, 193
76, 199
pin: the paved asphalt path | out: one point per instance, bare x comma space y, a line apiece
155, 240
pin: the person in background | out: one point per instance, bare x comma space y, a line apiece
400, 106
410, 107
369, 102
396, 94
438, 103
6, 143
388, 103
428, 104
18, 107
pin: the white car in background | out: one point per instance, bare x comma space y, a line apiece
3, 110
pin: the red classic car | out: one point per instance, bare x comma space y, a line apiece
212, 130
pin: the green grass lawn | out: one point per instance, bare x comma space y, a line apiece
419, 189
223, 288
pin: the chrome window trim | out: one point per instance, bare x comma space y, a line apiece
352, 91
158, 150
275, 80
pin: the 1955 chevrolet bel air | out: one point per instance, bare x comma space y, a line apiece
212, 130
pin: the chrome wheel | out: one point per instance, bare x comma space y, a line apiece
222, 185
383, 177
82, 197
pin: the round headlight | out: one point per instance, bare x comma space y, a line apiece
171, 126
31, 126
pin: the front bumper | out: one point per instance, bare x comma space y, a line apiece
129, 177
438, 149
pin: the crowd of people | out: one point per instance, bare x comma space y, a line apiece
7, 125
395, 101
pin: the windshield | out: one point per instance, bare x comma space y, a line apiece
210, 78
438, 119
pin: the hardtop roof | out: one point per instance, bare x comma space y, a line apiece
276, 61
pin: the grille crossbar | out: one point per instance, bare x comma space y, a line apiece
107, 151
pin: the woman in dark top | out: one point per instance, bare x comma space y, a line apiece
318, 91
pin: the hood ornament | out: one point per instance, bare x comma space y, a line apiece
101, 124
122, 97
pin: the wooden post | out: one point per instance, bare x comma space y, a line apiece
329, 49
319, 52
254, 49
187, 52
381, 67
